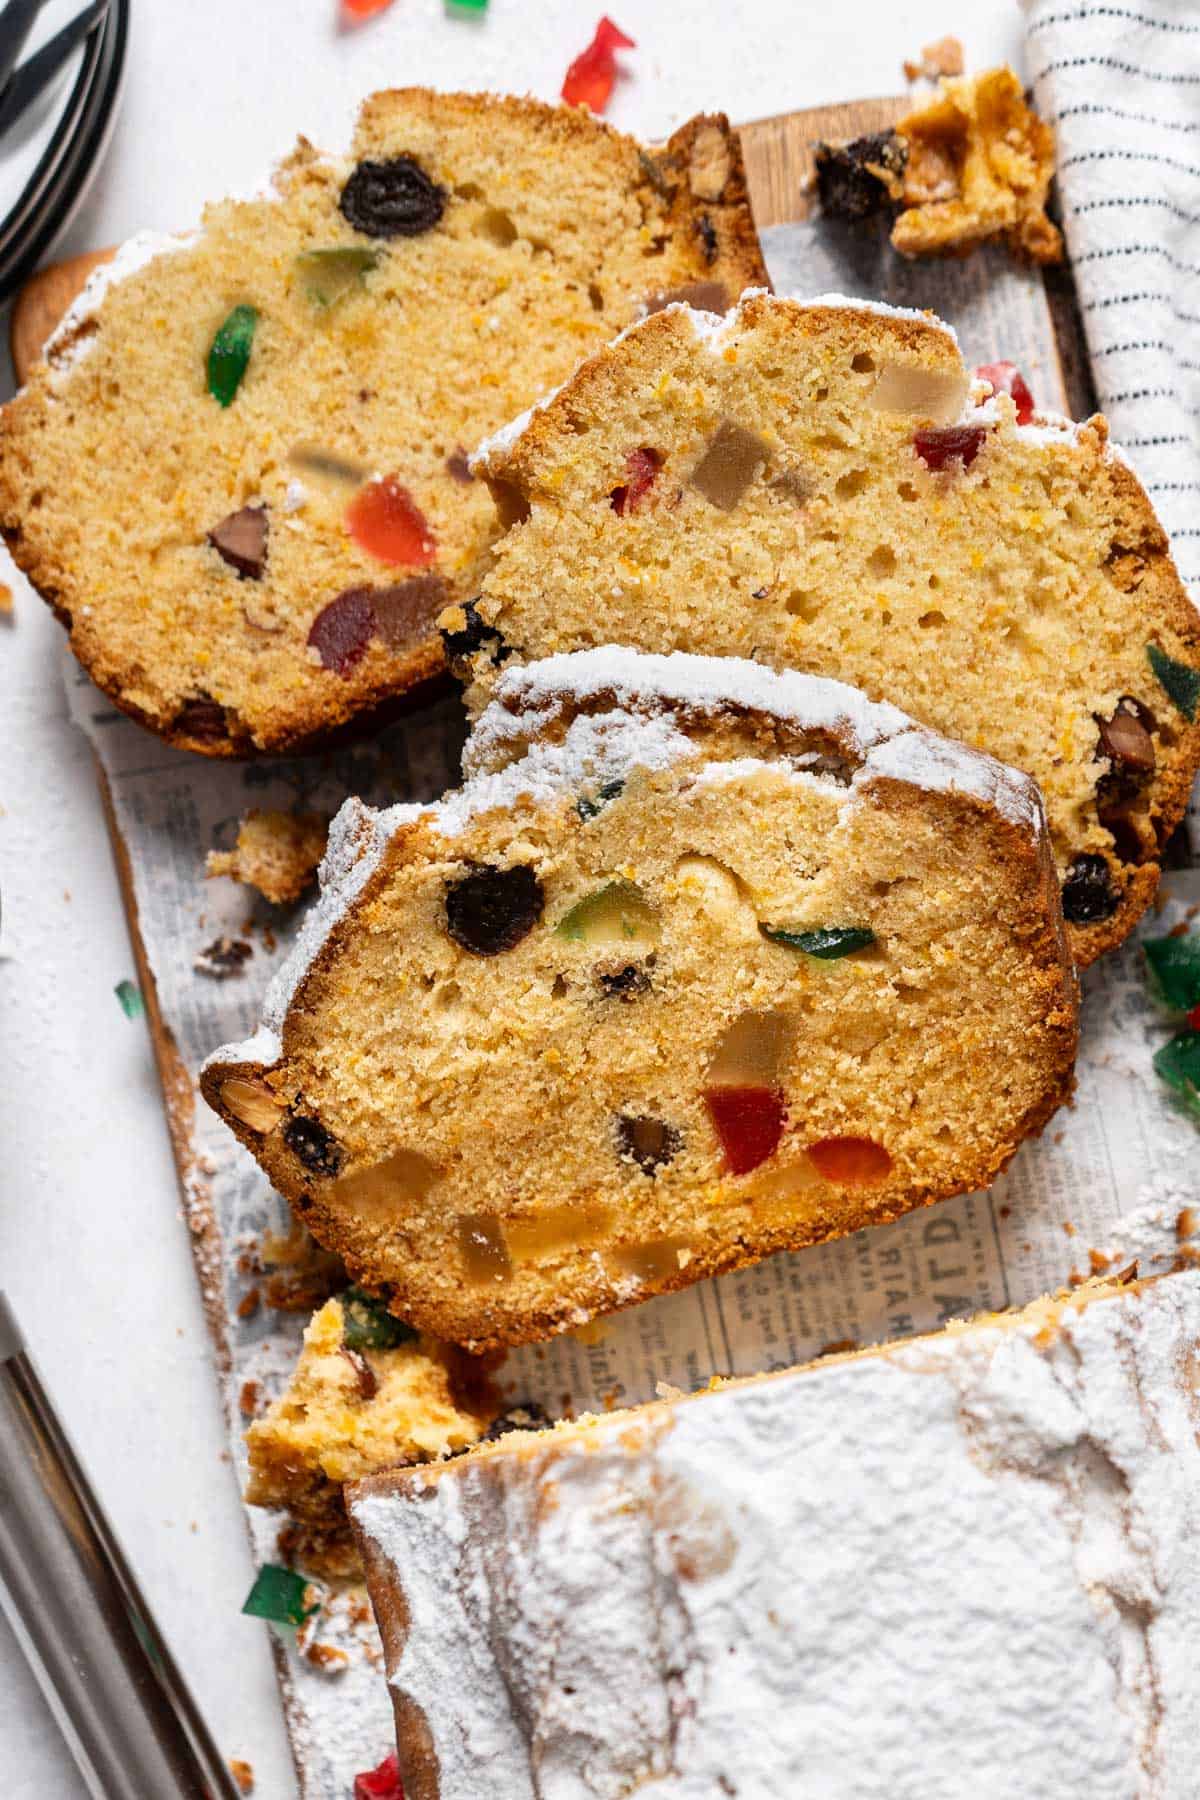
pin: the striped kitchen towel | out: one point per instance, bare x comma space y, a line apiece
1120, 83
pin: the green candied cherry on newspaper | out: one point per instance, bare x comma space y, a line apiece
1174, 964
230, 353
826, 942
281, 1596
368, 1325
381, 1783
327, 275
1178, 680
1178, 1064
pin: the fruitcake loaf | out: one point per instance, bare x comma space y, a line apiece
366, 1394
240, 477
820, 486
702, 962
960, 1565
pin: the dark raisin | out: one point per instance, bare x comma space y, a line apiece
405, 612
241, 540
458, 468
392, 199
1088, 894
1125, 738
470, 639
492, 909
524, 1415
857, 179
342, 629
202, 718
624, 984
317, 1148
1127, 839
706, 231
705, 296
650, 1143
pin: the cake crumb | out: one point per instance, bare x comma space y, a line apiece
276, 853
243, 1774
6, 601
945, 57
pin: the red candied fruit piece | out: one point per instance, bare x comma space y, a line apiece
937, 445
854, 1161
1193, 1018
591, 77
641, 468
364, 9
749, 1123
382, 1783
386, 522
342, 630
1006, 378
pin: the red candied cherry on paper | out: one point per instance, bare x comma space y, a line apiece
386, 522
363, 9
938, 445
749, 1123
641, 472
1006, 378
382, 1783
591, 77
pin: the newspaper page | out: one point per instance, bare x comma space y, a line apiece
1106, 1183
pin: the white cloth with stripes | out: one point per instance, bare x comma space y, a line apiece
1120, 83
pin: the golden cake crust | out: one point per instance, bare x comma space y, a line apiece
219, 662
1112, 586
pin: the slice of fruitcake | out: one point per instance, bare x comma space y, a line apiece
240, 477
366, 1394
964, 1564
821, 487
702, 962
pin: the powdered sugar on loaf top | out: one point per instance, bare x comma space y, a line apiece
67, 346
889, 741
965, 1565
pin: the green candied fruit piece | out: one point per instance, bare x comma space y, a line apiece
328, 274
130, 997
281, 1596
1179, 680
587, 806
368, 1325
618, 913
828, 942
1178, 1064
476, 6
230, 353
1174, 964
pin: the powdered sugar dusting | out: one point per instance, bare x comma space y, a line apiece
998, 1529
67, 346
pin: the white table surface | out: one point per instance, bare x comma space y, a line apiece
93, 1250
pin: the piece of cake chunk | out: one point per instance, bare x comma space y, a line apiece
819, 486
702, 962
965, 1564
366, 1393
240, 476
